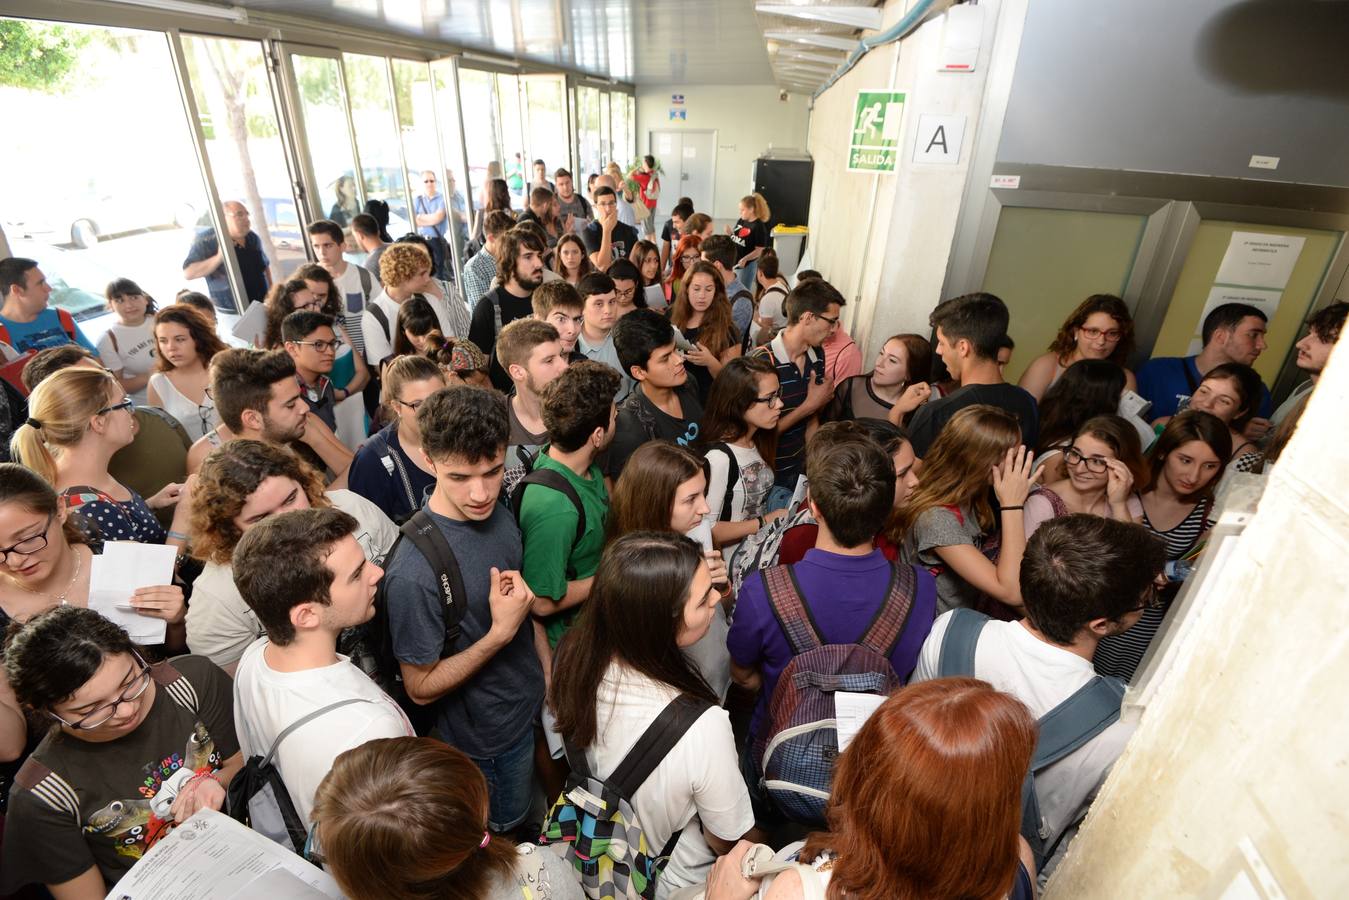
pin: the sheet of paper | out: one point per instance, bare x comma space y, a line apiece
1266, 301
655, 297
802, 487
115, 574
702, 533
851, 712
1260, 260
213, 857
252, 324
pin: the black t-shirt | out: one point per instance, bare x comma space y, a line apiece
749, 236
930, 418
253, 264
483, 329
622, 239
639, 420
702, 375
77, 804
668, 233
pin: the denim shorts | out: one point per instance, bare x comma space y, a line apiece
510, 783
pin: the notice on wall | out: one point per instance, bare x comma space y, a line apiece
1260, 260
676, 99
874, 142
938, 139
678, 114
1264, 300
664, 144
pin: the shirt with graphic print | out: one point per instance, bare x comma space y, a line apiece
77, 804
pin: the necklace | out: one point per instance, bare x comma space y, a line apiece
61, 597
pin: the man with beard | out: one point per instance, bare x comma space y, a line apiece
520, 269
259, 398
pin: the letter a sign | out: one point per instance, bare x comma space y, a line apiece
873, 145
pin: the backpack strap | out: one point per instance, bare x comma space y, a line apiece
789, 608
4, 335
367, 280
382, 318
427, 537
551, 478
656, 743
394, 462
68, 323
885, 629
732, 479
304, 720
1091, 709
956, 656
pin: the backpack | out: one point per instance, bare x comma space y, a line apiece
257, 795
732, 479
595, 818
991, 547
554, 480
430, 541
393, 463
1093, 708
798, 744
67, 325
734, 293
760, 550
367, 282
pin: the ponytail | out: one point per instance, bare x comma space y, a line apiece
756, 202
59, 410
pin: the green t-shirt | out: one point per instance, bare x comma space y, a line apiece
548, 527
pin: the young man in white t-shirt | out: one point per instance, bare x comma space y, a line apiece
1082, 577
326, 585
354, 284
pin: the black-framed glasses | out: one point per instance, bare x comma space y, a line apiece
1152, 599
30, 545
832, 320
1073, 456
776, 395
414, 405
625, 295
95, 717
126, 403
322, 346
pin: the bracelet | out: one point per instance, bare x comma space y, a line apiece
177, 536
1010, 508
211, 775
762, 522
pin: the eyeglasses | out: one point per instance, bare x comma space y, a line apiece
689, 259
127, 403
1073, 456
31, 545
832, 320
1152, 599
624, 295
95, 717
414, 405
1095, 334
321, 346
313, 305
776, 395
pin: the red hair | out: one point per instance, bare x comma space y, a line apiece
687, 242
926, 802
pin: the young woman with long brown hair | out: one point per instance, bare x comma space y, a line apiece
893, 389
947, 523
570, 259
185, 342
1102, 464
437, 844
702, 313
925, 805
1100, 328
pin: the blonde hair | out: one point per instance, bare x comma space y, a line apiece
958, 466
402, 262
405, 370
59, 410
756, 202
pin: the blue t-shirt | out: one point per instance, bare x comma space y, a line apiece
425, 205
1168, 381
843, 594
383, 473
252, 261
494, 708
43, 332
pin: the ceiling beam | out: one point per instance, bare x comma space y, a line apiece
794, 54
818, 40
868, 17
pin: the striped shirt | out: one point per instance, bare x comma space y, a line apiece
1120, 654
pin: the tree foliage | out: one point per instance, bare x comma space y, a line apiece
37, 56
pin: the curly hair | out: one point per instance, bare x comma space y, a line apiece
466, 422
201, 330
579, 401
228, 477
403, 262
332, 302
280, 303
1065, 342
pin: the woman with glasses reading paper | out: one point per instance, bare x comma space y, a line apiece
1100, 328
133, 749
77, 419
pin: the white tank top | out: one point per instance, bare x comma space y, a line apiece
196, 419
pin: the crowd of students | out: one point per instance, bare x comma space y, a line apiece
577, 559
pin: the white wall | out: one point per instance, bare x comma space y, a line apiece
747, 119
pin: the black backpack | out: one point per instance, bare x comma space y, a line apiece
555, 480
258, 798
732, 478
427, 537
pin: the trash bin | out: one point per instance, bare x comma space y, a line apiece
789, 241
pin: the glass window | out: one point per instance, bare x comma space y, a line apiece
373, 121
477, 94
512, 138
588, 129
622, 137
421, 144
95, 187
606, 128
243, 144
451, 143
327, 137
547, 120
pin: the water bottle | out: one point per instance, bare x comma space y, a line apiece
1178, 570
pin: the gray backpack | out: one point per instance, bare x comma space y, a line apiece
1093, 708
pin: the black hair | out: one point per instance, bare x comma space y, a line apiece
242, 379
719, 248
14, 273
979, 318
304, 539
594, 283
639, 334
1086, 389
364, 223
467, 422
683, 210
577, 402
805, 274
1080, 567
303, 322
814, 295
1327, 323
852, 483
624, 270
379, 211
605, 191
1227, 317
328, 227
56, 652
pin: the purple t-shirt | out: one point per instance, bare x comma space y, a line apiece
843, 593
